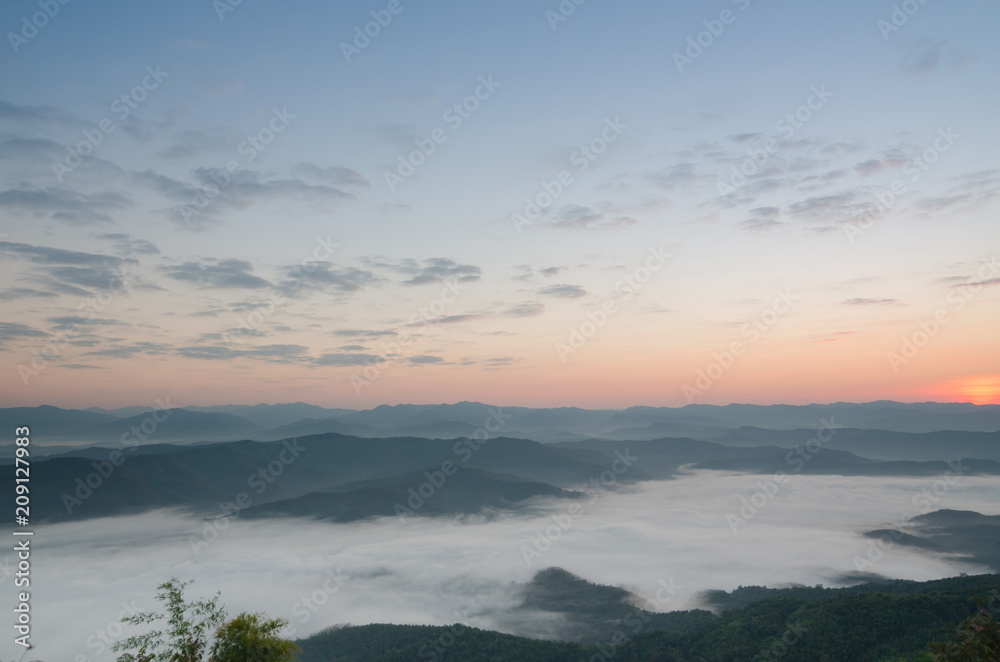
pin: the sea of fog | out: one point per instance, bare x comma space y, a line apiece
441, 571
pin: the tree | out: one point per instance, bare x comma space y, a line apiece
192, 627
976, 639
189, 626
252, 638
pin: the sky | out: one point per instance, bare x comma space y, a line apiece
523, 203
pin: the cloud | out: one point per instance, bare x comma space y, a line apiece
324, 277
834, 208
198, 142
63, 205
429, 271
47, 255
922, 57
25, 293
74, 320
173, 189
346, 359
528, 272
530, 309
448, 319
763, 219
926, 55
869, 167
973, 282
130, 350
127, 246
36, 114
457, 319
33, 149
66, 271
330, 176
578, 217
93, 277
681, 174
423, 359
82, 366
17, 331
210, 272
437, 270
278, 353
972, 190
216, 192
563, 291
362, 333
860, 301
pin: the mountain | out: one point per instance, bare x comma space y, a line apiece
50, 422
876, 622
198, 477
467, 491
965, 533
272, 416
882, 430
311, 426
176, 425
878, 444
122, 412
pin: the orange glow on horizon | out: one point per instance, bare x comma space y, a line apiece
983, 390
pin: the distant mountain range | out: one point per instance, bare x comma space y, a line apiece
884, 424
343, 478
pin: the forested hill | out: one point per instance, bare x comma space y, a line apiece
879, 622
